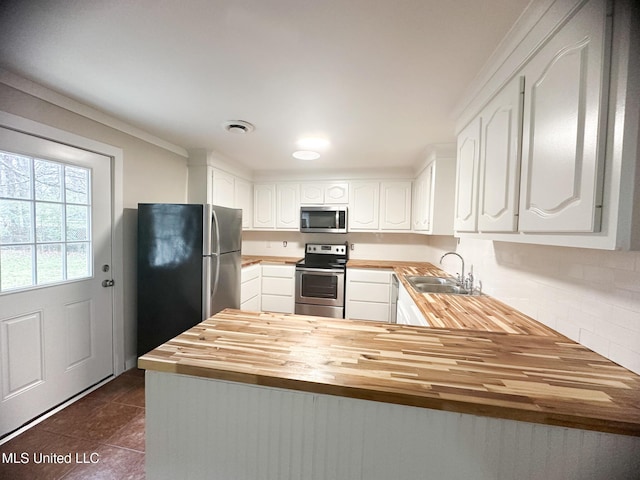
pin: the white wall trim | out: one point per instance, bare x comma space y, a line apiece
43, 93
51, 133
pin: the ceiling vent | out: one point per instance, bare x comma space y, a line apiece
238, 126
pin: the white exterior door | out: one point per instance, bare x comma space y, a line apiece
56, 317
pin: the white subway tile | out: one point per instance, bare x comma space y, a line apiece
625, 318
594, 341
627, 280
569, 329
625, 357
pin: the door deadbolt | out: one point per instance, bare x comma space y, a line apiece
105, 268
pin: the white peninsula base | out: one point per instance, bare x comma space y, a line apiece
200, 428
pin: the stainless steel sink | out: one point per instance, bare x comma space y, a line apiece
428, 280
427, 284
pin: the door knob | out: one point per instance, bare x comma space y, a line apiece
108, 283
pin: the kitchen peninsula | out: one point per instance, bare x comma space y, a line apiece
264, 395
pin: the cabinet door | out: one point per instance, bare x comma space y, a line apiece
564, 116
264, 206
425, 209
395, 206
288, 206
467, 178
336, 193
500, 160
243, 200
223, 189
364, 206
312, 194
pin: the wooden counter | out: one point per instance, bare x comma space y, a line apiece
254, 259
477, 312
540, 379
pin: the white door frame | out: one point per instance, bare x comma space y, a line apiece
31, 127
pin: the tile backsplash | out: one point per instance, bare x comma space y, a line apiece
590, 296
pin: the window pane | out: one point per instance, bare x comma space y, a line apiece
77, 223
78, 260
48, 180
15, 221
49, 222
16, 267
15, 176
77, 185
50, 263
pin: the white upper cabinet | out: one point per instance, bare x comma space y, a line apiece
500, 160
564, 116
421, 206
276, 206
264, 206
380, 206
223, 191
243, 198
395, 205
324, 193
576, 184
288, 206
364, 207
468, 146
434, 196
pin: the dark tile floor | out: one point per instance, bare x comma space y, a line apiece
101, 436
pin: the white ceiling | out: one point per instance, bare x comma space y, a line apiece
379, 78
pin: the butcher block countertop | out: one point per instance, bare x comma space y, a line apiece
476, 312
248, 260
540, 379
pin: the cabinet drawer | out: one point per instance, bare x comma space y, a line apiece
249, 289
277, 303
252, 304
368, 311
277, 286
284, 271
249, 273
369, 292
369, 275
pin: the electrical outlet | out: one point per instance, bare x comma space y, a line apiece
353, 246
284, 243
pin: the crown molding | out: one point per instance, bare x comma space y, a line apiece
31, 88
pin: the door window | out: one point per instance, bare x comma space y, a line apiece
45, 220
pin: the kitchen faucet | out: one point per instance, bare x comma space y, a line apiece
460, 275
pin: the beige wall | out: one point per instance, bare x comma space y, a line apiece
150, 174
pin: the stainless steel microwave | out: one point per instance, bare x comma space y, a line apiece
323, 219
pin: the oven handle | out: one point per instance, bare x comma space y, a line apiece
327, 271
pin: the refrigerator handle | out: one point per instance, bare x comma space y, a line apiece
206, 286
215, 255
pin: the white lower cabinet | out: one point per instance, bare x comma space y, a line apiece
251, 288
408, 311
368, 294
278, 288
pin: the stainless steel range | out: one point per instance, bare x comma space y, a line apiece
320, 280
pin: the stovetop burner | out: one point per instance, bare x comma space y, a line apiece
319, 255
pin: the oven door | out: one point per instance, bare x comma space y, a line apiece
320, 286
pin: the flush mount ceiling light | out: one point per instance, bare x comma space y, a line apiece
306, 155
238, 126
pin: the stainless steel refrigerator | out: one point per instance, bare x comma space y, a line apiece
188, 267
